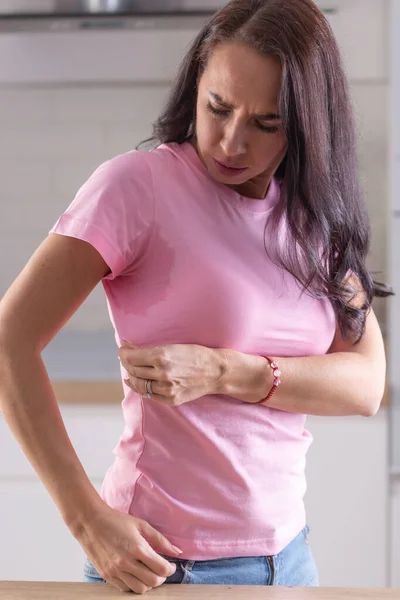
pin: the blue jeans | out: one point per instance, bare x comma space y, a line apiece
293, 566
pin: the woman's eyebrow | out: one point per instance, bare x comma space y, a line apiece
265, 117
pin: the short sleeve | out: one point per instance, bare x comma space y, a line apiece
114, 211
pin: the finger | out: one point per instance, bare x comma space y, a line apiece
128, 584
158, 566
141, 372
147, 373
160, 398
153, 541
139, 571
137, 357
127, 354
139, 386
120, 585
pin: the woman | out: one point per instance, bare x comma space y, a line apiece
232, 256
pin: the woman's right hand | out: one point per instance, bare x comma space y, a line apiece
123, 550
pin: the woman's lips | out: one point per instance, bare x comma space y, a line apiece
230, 171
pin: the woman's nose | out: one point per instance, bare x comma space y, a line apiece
233, 142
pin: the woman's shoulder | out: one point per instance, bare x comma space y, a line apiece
126, 166
142, 164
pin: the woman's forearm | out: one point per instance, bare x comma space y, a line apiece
337, 384
30, 409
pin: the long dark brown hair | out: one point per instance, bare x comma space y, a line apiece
329, 232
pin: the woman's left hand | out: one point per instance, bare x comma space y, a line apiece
179, 372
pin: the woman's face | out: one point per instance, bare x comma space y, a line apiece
237, 122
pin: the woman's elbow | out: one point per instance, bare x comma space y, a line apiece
371, 402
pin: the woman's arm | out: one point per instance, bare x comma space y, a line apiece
55, 282
349, 380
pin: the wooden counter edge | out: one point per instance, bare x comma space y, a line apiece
71, 591
88, 392
109, 392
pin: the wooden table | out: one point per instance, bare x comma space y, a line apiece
23, 590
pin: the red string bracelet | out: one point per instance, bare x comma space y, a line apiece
277, 381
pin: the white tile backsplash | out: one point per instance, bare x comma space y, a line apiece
124, 137
25, 105
371, 101
49, 139
113, 104
361, 28
26, 180
69, 174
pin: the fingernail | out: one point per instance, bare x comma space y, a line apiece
177, 550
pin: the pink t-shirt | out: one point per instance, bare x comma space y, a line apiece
217, 476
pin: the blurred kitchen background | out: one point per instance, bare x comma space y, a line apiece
82, 81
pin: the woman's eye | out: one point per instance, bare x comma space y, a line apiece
268, 129
222, 113
216, 111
